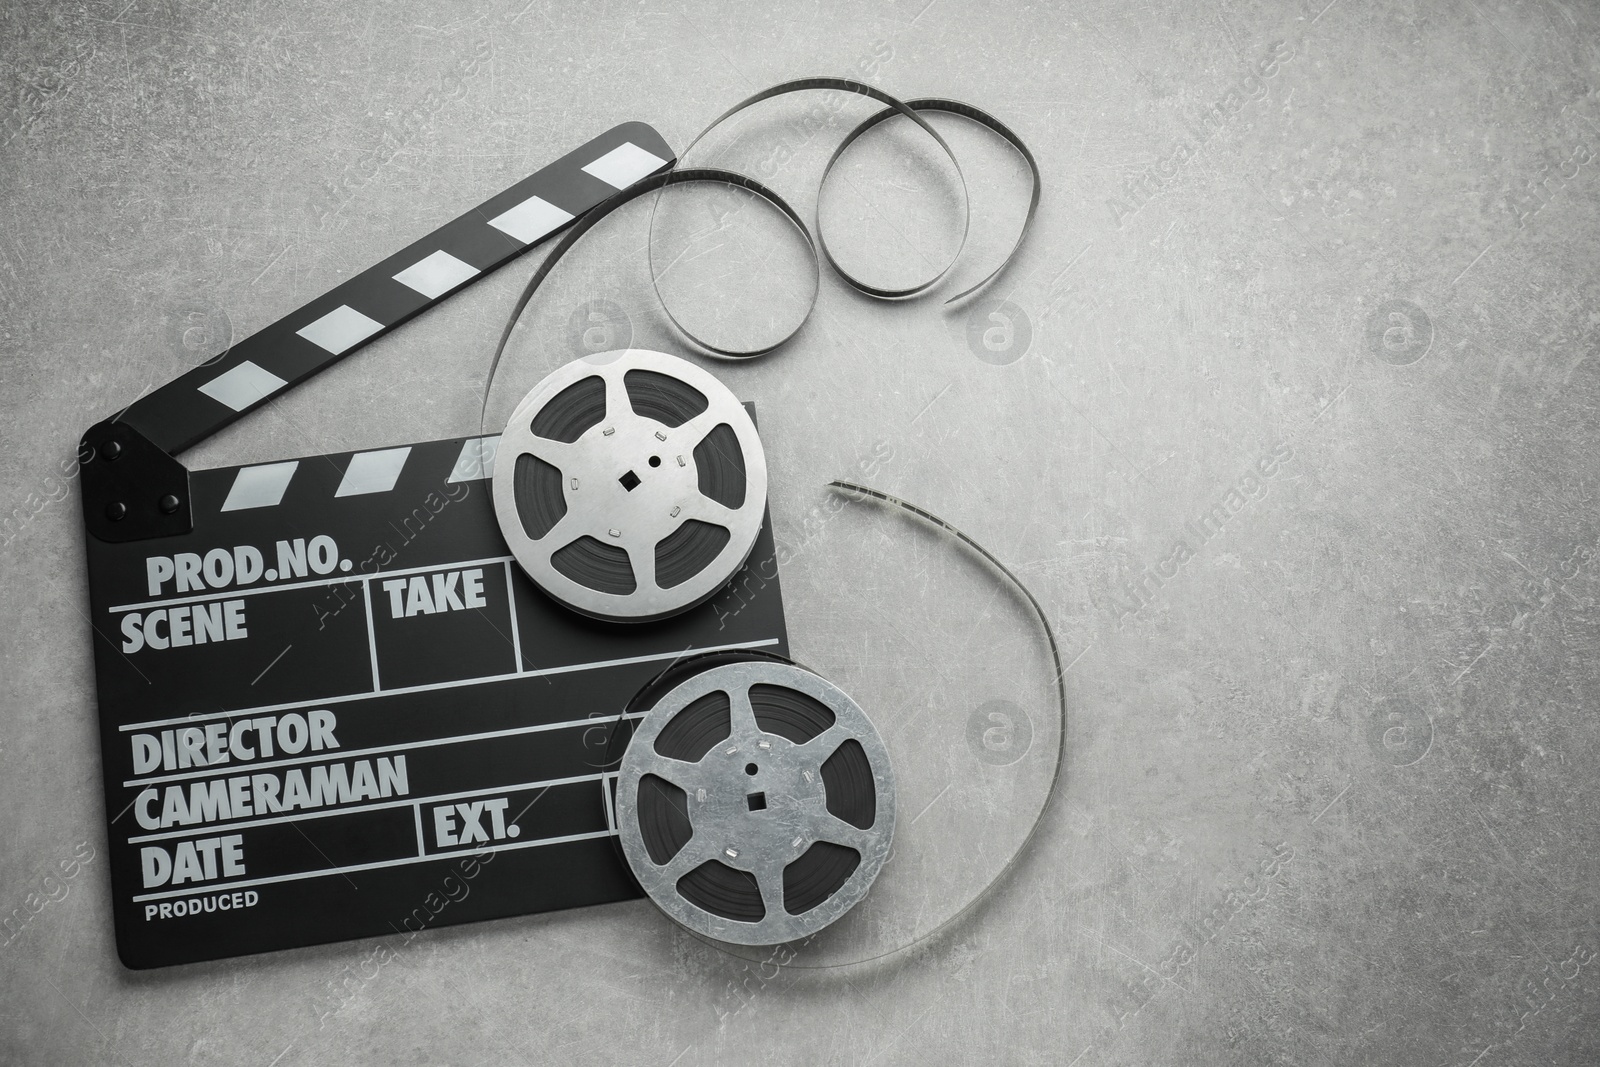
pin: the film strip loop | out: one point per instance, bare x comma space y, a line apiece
982, 118
816, 244
895, 107
903, 109
665, 180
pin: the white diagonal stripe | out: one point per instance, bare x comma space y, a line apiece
373, 472
436, 274
476, 459
242, 386
624, 165
340, 329
260, 487
530, 220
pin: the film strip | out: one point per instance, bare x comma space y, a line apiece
817, 244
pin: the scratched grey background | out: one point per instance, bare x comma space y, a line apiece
1327, 796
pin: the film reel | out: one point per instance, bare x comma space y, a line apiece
755, 802
630, 485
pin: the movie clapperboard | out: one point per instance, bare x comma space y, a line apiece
326, 689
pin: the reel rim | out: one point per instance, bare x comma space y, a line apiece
626, 520
775, 845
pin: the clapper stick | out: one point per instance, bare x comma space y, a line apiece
134, 488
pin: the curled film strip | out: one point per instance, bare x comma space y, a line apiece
816, 246
909, 110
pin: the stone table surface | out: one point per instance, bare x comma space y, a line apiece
1286, 413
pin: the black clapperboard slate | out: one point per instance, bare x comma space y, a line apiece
331, 704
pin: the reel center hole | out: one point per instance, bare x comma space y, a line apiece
629, 481
655, 461
750, 768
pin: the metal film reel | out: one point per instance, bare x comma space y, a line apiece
755, 802
630, 485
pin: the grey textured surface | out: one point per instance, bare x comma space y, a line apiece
1328, 793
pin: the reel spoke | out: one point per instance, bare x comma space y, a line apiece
697, 851
745, 728
838, 832
559, 454
687, 436
681, 774
707, 510
567, 529
819, 748
642, 557
618, 407
769, 879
